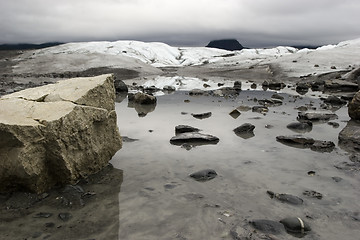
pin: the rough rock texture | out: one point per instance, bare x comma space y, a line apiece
57, 133
349, 137
354, 107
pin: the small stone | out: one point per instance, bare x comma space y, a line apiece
237, 85
300, 127
313, 194
260, 109
194, 138
311, 173
65, 216
268, 226
334, 124
185, 128
43, 215
204, 175
235, 113
245, 131
337, 179
201, 115
323, 146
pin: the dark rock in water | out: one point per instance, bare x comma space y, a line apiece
196, 92
273, 85
323, 146
313, 194
141, 98
354, 107
302, 87
226, 44
235, 113
270, 102
245, 131
253, 86
186, 146
194, 138
277, 96
286, 198
204, 175
237, 85
295, 225
65, 216
244, 108
317, 115
169, 88
185, 128
337, 179
268, 226
300, 127
201, 115
349, 137
333, 100
260, 109
296, 141
338, 85
333, 124
43, 215
120, 86
127, 139
227, 92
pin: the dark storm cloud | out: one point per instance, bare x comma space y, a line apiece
185, 22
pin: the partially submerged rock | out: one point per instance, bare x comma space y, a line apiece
185, 128
354, 107
317, 115
300, 127
194, 138
295, 225
349, 137
201, 115
338, 85
245, 131
204, 175
300, 141
142, 98
56, 134
286, 198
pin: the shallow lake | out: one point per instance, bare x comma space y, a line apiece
158, 199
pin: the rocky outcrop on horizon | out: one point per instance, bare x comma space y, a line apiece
58, 133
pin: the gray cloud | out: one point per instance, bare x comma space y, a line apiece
185, 22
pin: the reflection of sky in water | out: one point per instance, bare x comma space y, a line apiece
247, 168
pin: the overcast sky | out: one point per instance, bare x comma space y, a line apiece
255, 23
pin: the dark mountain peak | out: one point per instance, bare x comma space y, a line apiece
226, 44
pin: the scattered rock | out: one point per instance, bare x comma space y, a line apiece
127, 139
243, 108
295, 225
313, 194
317, 115
65, 216
245, 131
270, 102
204, 175
311, 173
185, 128
141, 98
253, 86
260, 109
323, 146
300, 127
194, 138
273, 85
237, 85
340, 86
349, 137
120, 86
196, 92
286, 198
296, 141
277, 96
235, 113
169, 88
333, 100
337, 179
201, 115
334, 124
268, 226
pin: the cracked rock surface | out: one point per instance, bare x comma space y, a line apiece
56, 134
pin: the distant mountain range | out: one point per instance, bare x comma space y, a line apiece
26, 46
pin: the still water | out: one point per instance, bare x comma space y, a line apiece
158, 199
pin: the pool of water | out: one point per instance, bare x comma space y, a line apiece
158, 199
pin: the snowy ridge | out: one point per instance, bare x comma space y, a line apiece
294, 62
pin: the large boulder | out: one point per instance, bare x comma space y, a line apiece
354, 107
56, 134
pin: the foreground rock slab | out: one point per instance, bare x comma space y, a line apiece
57, 134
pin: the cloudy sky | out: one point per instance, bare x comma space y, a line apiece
255, 23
